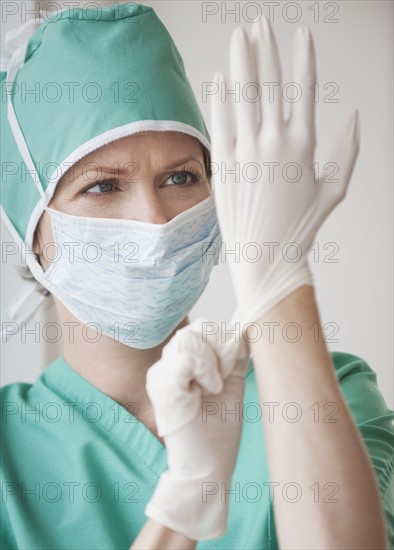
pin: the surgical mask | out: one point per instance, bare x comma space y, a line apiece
130, 280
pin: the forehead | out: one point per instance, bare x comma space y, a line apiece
146, 146
154, 150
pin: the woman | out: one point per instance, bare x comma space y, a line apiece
145, 415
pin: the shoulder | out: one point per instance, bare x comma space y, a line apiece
346, 363
374, 419
14, 404
359, 384
13, 393
23, 394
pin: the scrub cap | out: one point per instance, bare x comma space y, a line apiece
77, 81
85, 77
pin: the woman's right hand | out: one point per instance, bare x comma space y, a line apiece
195, 388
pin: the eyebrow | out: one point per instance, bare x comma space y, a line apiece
168, 167
183, 161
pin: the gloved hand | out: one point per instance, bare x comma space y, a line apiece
278, 197
192, 389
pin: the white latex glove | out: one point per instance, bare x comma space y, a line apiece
191, 387
252, 210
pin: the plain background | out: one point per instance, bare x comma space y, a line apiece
356, 53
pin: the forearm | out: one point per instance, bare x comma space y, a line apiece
154, 535
314, 451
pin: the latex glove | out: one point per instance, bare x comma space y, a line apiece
191, 387
251, 209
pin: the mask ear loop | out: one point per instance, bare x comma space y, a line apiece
12, 65
12, 327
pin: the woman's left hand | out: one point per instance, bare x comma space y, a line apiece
194, 389
271, 210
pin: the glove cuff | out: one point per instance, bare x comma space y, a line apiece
194, 508
252, 312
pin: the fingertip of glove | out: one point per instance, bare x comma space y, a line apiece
218, 77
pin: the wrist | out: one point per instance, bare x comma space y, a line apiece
298, 311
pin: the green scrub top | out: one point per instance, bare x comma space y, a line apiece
78, 469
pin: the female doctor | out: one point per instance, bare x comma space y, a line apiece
137, 434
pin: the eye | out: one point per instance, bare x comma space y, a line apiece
180, 177
99, 187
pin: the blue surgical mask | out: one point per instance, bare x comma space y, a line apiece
131, 280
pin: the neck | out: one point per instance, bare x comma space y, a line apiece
114, 368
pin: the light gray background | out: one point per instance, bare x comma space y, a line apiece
356, 293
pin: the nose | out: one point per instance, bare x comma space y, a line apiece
148, 207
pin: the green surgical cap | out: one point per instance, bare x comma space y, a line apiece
84, 77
